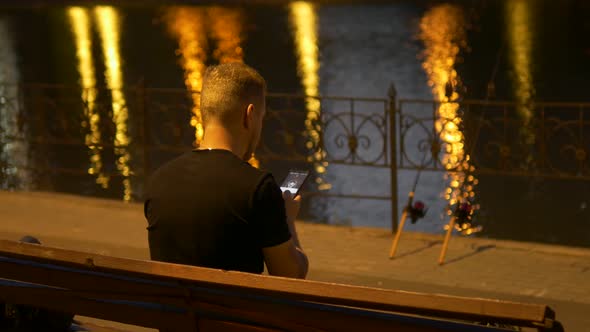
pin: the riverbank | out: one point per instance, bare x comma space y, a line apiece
555, 275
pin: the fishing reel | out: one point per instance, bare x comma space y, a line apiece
464, 214
416, 211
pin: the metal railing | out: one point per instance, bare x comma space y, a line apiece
553, 143
63, 131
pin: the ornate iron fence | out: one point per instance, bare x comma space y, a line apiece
71, 131
554, 142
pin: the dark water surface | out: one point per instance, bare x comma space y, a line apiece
529, 50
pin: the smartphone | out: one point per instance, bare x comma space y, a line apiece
294, 181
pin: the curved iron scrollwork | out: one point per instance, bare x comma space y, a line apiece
554, 143
570, 156
360, 141
419, 145
352, 137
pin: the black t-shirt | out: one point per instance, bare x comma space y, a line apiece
209, 208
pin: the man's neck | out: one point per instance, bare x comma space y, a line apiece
219, 138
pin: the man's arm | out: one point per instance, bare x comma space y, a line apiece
288, 259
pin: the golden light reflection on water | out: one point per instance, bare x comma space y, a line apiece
226, 29
304, 22
80, 22
108, 21
187, 25
519, 21
442, 30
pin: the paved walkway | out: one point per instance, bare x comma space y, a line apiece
555, 275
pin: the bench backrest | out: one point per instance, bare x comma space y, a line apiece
183, 298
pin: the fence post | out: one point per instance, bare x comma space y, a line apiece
392, 93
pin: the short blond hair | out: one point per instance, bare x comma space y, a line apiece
227, 88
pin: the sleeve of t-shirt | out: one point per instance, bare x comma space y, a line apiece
270, 220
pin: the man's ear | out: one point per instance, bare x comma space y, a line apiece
249, 116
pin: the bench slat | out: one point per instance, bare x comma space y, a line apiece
61, 300
370, 298
255, 310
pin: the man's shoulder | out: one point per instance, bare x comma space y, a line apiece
258, 178
237, 168
225, 168
254, 179
171, 165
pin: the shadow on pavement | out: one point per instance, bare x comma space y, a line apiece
428, 245
475, 251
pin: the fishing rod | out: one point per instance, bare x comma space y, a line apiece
464, 210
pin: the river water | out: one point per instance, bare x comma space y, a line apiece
529, 50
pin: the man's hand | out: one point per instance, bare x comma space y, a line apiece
288, 259
292, 205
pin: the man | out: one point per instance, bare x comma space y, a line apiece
209, 207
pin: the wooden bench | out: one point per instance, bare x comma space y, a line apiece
186, 298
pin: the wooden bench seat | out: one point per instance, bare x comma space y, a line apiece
185, 298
